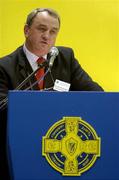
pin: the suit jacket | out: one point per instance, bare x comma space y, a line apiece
15, 67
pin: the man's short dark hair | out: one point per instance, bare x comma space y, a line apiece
33, 14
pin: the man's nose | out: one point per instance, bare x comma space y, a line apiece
46, 35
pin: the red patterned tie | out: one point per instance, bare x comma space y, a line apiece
40, 73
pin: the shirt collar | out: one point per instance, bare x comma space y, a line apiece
32, 58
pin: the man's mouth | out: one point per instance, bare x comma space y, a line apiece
44, 42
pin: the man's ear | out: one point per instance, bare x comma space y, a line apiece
26, 30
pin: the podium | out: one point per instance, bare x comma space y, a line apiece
32, 114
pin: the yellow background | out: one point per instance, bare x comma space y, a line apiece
90, 27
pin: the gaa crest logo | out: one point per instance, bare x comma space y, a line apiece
71, 146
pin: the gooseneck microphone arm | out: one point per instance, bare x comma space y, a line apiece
4, 101
44, 64
38, 81
53, 53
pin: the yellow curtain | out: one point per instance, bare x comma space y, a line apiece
90, 27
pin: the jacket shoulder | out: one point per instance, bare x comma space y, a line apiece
66, 52
65, 49
10, 58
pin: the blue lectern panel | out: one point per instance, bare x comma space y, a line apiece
31, 114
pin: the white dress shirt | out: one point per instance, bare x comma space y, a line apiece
32, 58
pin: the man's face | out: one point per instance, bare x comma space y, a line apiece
42, 33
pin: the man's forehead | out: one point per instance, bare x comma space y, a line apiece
46, 16
43, 18
46, 25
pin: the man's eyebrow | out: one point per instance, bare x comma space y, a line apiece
43, 25
55, 28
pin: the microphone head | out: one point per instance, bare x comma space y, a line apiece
54, 51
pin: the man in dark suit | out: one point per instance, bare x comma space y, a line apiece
41, 29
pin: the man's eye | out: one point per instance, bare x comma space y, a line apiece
41, 29
53, 32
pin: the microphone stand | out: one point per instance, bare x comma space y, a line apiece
44, 64
3, 103
39, 80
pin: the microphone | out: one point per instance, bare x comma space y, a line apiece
4, 101
44, 64
53, 53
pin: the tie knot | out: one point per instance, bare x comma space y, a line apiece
40, 60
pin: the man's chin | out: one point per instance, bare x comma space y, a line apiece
42, 52
45, 51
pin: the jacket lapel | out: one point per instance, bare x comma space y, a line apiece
25, 70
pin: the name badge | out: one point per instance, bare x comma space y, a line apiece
61, 85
